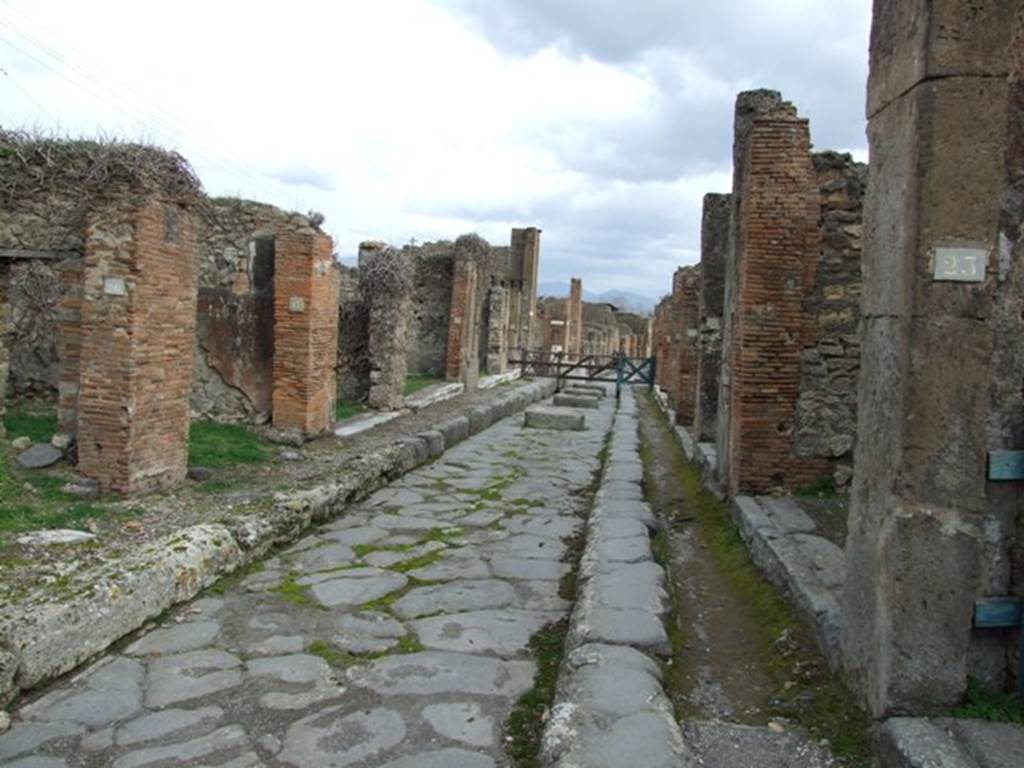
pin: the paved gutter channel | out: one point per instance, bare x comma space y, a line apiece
397, 635
748, 681
51, 635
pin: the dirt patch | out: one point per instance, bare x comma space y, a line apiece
740, 652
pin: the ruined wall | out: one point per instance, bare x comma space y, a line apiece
5, 355
69, 344
36, 292
138, 341
941, 365
777, 239
826, 411
524, 271
686, 339
497, 329
433, 264
235, 328
386, 278
575, 317
353, 339
462, 354
714, 245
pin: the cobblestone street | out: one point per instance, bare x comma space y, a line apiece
395, 636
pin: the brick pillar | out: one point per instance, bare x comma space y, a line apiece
941, 365
687, 303
69, 344
305, 332
576, 316
461, 357
525, 254
775, 242
137, 345
714, 244
497, 325
5, 326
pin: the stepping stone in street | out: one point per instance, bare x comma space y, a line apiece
562, 419
576, 401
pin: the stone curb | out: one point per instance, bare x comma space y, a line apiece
704, 455
610, 707
780, 539
918, 742
41, 641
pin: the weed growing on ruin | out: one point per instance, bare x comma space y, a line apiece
414, 382
220, 446
36, 422
346, 409
227, 583
822, 488
985, 705
409, 644
333, 655
525, 726
292, 592
421, 561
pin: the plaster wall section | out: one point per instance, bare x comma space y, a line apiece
939, 382
715, 222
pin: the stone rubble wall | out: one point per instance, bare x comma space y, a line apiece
5, 353
386, 287
35, 294
826, 410
714, 241
685, 351
353, 339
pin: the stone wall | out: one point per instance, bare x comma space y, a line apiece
941, 364
575, 317
431, 299
714, 244
36, 292
826, 410
138, 342
497, 329
353, 339
462, 360
235, 328
386, 286
5, 355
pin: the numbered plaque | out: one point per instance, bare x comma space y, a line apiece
960, 265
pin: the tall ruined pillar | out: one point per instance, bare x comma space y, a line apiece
714, 245
5, 324
462, 354
687, 303
525, 254
575, 317
137, 344
305, 332
497, 323
774, 240
942, 361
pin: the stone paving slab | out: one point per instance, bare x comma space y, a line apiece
395, 636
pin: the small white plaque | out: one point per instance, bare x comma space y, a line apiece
960, 265
114, 286
297, 304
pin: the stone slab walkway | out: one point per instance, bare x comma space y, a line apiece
396, 636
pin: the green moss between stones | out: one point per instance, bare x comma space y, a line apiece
292, 592
994, 707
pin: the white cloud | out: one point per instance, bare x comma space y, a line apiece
411, 118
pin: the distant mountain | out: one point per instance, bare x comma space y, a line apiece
623, 300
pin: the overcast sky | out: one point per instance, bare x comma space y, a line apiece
603, 122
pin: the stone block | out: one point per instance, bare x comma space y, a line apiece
576, 401
547, 417
455, 430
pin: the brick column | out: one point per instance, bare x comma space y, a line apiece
714, 244
69, 344
575, 315
941, 365
5, 326
687, 302
305, 332
137, 345
525, 254
775, 248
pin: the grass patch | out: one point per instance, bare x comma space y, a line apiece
414, 382
525, 726
346, 409
417, 562
822, 488
36, 421
333, 655
409, 644
292, 592
994, 707
219, 446
227, 583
